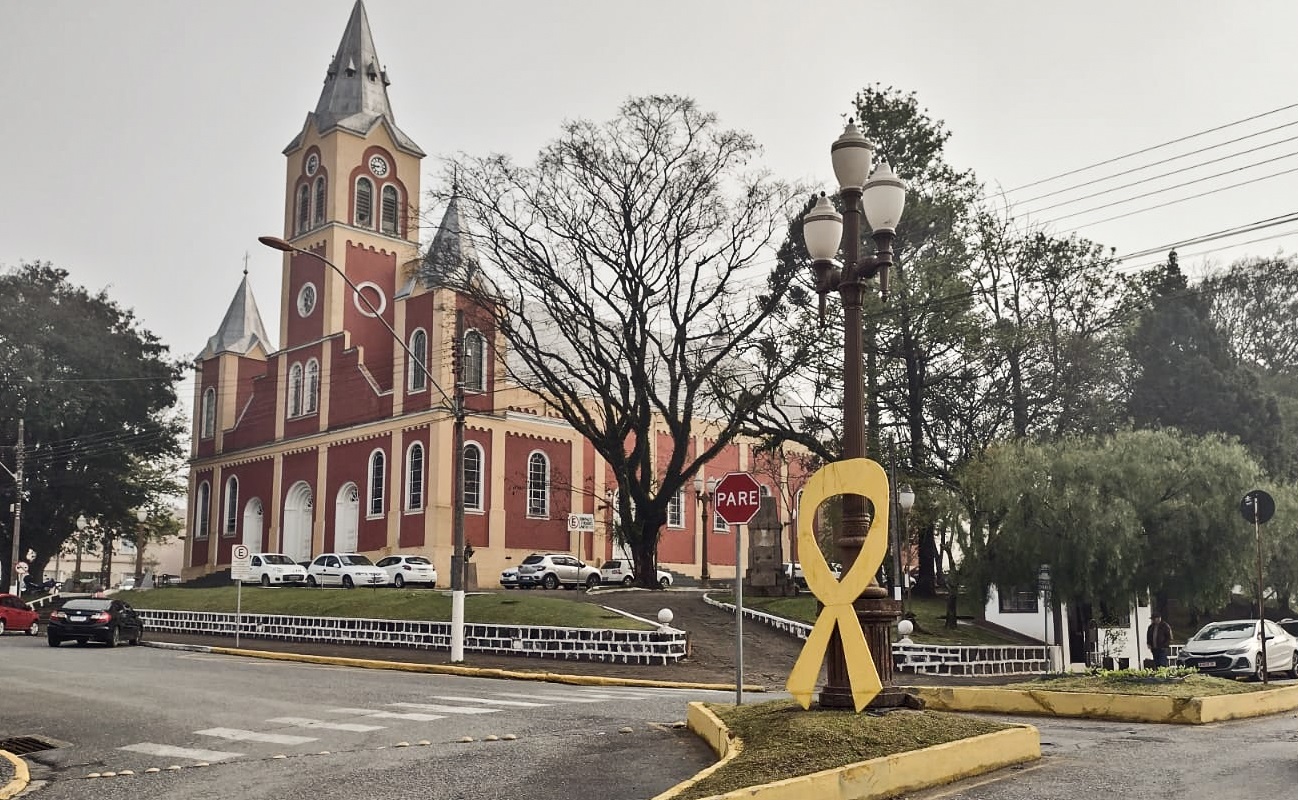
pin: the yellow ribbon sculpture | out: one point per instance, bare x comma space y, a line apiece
859, 476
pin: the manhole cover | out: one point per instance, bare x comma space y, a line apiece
22, 745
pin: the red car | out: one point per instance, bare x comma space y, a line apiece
16, 616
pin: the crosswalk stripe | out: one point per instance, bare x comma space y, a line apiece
234, 734
153, 749
445, 709
490, 702
558, 698
369, 712
303, 722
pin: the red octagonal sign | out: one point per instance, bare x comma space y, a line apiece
738, 496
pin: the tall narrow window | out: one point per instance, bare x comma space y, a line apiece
676, 510
418, 379
473, 477
202, 510
319, 203
303, 207
378, 474
390, 209
295, 390
538, 485
474, 352
231, 506
364, 203
209, 413
312, 386
415, 477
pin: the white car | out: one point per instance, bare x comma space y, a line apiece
622, 570
408, 569
552, 570
347, 570
275, 569
509, 578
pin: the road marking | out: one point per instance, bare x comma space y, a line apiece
152, 749
558, 698
369, 712
444, 709
303, 722
234, 734
490, 702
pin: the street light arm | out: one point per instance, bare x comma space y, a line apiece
276, 243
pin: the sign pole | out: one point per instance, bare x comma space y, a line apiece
238, 610
739, 621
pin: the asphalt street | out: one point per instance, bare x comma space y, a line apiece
269, 729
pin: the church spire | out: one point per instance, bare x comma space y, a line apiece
355, 93
242, 330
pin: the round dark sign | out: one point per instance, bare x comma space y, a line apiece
1257, 506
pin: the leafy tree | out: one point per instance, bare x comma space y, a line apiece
95, 391
1253, 304
1184, 375
622, 269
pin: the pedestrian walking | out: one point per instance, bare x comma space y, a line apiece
1159, 639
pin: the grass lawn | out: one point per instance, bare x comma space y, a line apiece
514, 608
783, 741
930, 616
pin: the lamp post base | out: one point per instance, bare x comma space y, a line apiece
877, 616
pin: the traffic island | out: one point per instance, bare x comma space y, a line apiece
14, 776
1168, 709
777, 751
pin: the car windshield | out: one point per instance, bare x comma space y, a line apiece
533, 559
87, 605
1227, 630
356, 561
278, 558
417, 560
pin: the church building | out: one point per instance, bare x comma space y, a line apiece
337, 439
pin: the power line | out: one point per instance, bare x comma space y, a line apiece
1223, 234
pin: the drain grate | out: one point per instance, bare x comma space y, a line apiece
22, 745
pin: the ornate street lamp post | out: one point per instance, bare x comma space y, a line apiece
905, 501
881, 196
704, 491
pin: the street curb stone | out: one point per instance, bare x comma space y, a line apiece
15, 769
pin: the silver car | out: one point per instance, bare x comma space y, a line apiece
1232, 649
552, 570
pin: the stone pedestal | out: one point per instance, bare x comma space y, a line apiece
765, 576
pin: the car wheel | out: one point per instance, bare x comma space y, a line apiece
347, 582
114, 637
36, 629
398, 581
265, 580
310, 581
2, 627
665, 582
551, 581
626, 581
592, 582
139, 637
1259, 674
54, 641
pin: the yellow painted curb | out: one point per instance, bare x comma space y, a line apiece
21, 778
477, 672
1126, 708
887, 776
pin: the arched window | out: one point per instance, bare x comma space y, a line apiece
415, 477
475, 347
312, 386
295, 390
364, 203
303, 207
391, 205
378, 476
202, 510
209, 413
319, 201
472, 477
231, 506
418, 378
538, 485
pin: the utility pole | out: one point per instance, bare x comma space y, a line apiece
457, 496
17, 475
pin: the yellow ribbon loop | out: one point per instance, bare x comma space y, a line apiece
859, 476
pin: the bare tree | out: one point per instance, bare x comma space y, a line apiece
629, 272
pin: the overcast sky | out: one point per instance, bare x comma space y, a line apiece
143, 139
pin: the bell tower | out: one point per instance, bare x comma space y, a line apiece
351, 196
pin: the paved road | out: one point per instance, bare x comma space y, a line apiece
140, 708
